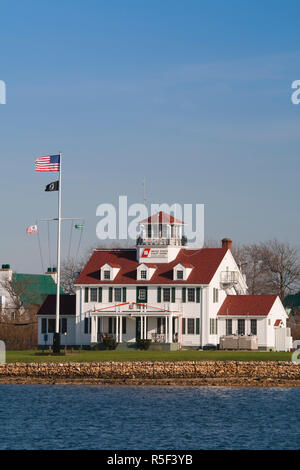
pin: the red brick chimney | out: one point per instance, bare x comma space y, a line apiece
227, 243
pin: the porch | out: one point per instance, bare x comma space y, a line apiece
128, 325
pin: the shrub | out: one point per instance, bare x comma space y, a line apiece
109, 343
143, 343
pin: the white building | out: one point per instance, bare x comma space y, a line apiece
166, 292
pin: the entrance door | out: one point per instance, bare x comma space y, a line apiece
137, 328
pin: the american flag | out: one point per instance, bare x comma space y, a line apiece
48, 163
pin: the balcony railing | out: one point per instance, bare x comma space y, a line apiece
229, 277
161, 241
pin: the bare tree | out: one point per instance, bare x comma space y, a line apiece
70, 270
18, 320
71, 267
249, 259
281, 265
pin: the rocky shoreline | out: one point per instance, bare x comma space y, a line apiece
146, 373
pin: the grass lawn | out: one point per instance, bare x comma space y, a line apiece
135, 355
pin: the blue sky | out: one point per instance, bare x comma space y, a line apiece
193, 95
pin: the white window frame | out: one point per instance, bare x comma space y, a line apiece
191, 290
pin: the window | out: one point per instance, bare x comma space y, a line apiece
142, 294
241, 327
87, 325
124, 326
51, 325
228, 326
106, 274
94, 294
118, 293
161, 325
190, 326
112, 325
191, 295
213, 326
215, 295
166, 295
63, 326
144, 274
183, 326
99, 326
254, 327
180, 274
44, 325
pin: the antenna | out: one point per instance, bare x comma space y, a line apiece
144, 191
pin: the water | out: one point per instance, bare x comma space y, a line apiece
84, 417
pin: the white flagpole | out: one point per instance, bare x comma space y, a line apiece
58, 248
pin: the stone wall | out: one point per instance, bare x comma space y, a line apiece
152, 370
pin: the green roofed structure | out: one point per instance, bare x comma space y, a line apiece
34, 288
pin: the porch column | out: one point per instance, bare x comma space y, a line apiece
121, 331
145, 327
170, 329
117, 329
166, 329
142, 326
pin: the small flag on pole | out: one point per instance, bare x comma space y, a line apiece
79, 226
31, 229
48, 163
54, 186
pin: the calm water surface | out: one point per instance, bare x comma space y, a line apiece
84, 417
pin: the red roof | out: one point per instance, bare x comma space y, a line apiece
161, 218
113, 265
186, 265
252, 305
205, 263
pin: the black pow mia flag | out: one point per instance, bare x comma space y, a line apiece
54, 186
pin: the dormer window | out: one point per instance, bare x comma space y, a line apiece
109, 271
145, 271
182, 271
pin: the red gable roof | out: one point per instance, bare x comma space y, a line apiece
205, 262
161, 218
240, 305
